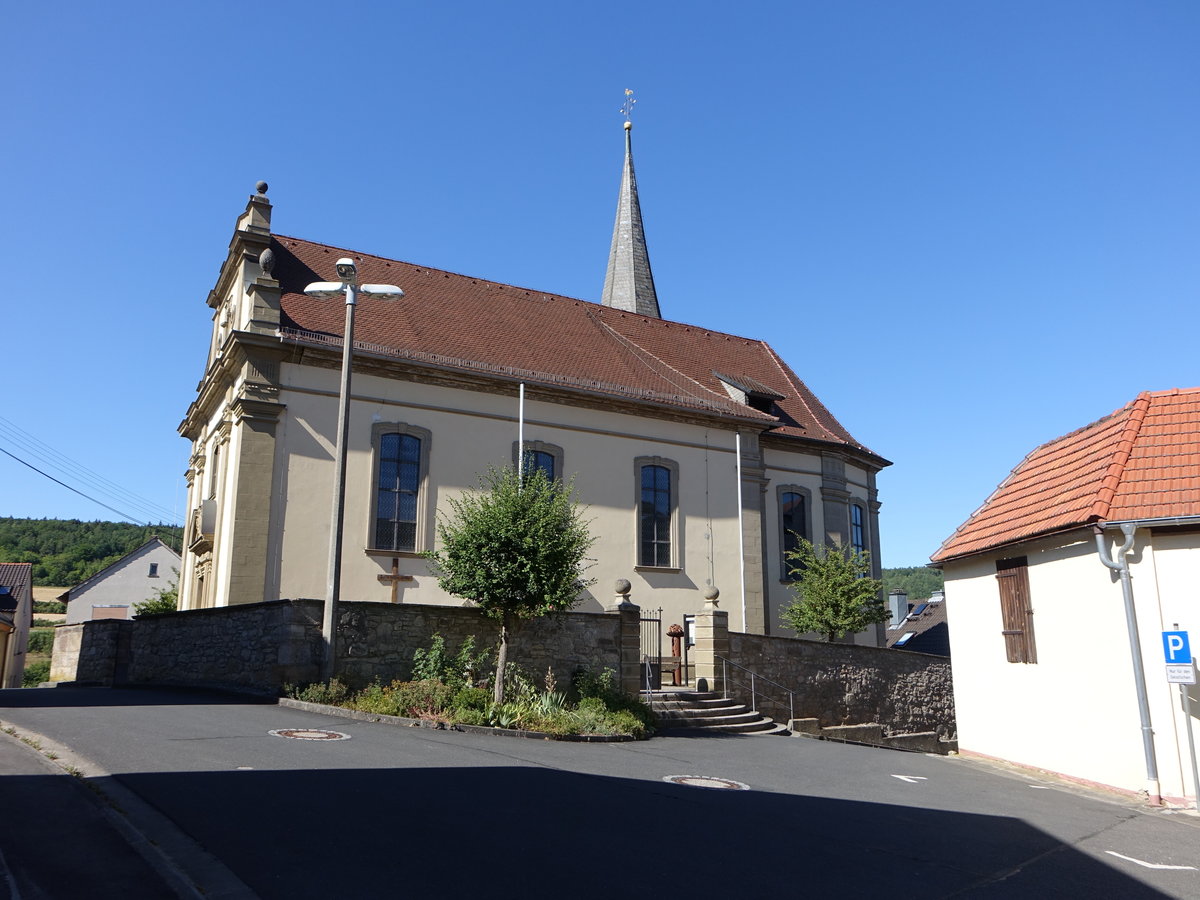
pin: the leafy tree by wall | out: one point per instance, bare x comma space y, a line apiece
834, 595
517, 550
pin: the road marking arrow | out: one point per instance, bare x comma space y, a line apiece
1145, 864
911, 779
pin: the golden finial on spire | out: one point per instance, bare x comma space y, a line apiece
627, 108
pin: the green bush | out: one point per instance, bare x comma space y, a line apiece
464, 668
417, 699
45, 623
41, 641
601, 708
49, 606
333, 693
35, 673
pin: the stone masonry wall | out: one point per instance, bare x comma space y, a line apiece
266, 645
85, 652
844, 684
256, 645
378, 640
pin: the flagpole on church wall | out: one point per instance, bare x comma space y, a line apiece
737, 449
521, 436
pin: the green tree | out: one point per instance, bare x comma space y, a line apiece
163, 600
834, 593
517, 550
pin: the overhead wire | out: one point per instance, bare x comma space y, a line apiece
126, 516
93, 481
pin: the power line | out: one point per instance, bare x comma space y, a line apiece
93, 480
133, 519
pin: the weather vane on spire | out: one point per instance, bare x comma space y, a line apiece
627, 106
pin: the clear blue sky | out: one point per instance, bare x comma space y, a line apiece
969, 227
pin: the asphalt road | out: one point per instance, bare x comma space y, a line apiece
419, 813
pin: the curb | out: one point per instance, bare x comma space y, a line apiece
186, 867
358, 715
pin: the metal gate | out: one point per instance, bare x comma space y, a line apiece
652, 650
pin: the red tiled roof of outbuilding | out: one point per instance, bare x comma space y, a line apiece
481, 326
1140, 462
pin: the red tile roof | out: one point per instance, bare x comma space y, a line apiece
485, 327
1140, 462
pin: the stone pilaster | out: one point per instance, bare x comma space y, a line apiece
835, 500
711, 630
250, 499
630, 638
754, 490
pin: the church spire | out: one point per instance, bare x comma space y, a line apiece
628, 283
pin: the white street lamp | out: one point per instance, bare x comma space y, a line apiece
347, 271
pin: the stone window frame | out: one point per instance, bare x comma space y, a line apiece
676, 529
421, 540
784, 576
554, 450
864, 543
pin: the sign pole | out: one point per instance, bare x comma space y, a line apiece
1187, 717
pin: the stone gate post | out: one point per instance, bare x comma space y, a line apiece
630, 639
712, 640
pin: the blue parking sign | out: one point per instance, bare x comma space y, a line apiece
1176, 648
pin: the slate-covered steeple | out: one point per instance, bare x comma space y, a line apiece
628, 283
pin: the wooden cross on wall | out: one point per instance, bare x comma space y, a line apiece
394, 579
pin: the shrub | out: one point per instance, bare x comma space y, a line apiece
36, 673
331, 693
49, 606
41, 641
45, 623
461, 669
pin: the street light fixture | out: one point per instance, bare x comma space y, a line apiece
347, 271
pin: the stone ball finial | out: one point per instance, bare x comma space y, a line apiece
711, 592
622, 586
261, 187
266, 261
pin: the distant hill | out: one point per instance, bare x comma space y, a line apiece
68, 551
918, 581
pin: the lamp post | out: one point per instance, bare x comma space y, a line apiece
347, 271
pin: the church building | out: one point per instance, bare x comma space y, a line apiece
698, 454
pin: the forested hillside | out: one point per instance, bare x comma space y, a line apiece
918, 581
65, 552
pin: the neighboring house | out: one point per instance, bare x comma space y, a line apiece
16, 618
111, 592
920, 627
1043, 667
647, 415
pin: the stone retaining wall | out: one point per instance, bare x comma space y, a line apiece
85, 652
267, 645
845, 684
378, 640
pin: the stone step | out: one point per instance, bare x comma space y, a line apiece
732, 716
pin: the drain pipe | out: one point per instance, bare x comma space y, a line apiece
1135, 650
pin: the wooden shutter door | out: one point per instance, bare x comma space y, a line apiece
1016, 610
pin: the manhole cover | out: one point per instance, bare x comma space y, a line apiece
707, 781
309, 734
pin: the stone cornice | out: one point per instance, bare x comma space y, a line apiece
224, 373
867, 460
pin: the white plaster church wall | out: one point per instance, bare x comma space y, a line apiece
473, 430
